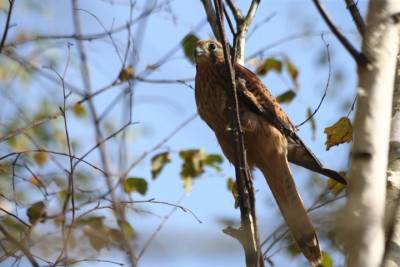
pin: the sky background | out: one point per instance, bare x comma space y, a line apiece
160, 108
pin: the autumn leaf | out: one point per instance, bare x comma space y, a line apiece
339, 133
286, 97
36, 212
194, 161
79, 110
293, 71
335, 187
158, 162
268, 65
188, 45
135, 184
232, 187
41, 157
311, 120
126, 73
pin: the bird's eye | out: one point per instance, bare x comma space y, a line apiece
212, 47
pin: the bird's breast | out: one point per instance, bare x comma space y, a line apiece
211, 102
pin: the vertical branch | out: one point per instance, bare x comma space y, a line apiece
248, 233
7, 25
242, 25
367, 186
242, 29
211, 17
117, 208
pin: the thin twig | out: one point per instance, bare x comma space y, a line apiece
7, 25
359, 57
20, 246
159, 227
326, 86
118, 211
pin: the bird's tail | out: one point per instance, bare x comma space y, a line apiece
280, 181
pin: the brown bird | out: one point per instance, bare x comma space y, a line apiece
270, 138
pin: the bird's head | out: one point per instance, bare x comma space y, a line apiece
208, 51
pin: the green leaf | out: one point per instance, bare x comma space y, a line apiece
127, 229
158, 162
312, 122
94, 221
135, 184
231, 185
98, 237
188, 45
268, 65
213, 160
13, 224
192, 166
327, 260
286, 97
292, 248
293, 71
36, 212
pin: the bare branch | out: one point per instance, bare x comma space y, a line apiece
237, 13
20, 246
355, 13
326, 87
248, 233
211, 17
7, 25
359, 57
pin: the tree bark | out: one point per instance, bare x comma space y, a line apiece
392, 215
365, 208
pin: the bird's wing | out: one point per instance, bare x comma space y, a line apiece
253, 93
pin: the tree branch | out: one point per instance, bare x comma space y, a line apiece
360, 58
355, 14
19, 245
248, 232
7, 25
211, 17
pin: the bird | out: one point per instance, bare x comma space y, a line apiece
270, 138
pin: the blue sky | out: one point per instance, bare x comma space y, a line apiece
159, 108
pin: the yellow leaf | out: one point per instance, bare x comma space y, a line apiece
339, 133
293, 71
41, 157
334, 187
36, 181
79, 110
268, 65
127, 73
231, 184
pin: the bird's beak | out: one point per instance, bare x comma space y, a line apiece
198, 52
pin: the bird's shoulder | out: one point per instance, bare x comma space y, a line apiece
260, 100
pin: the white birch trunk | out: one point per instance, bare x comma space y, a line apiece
392, 216
367, 184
